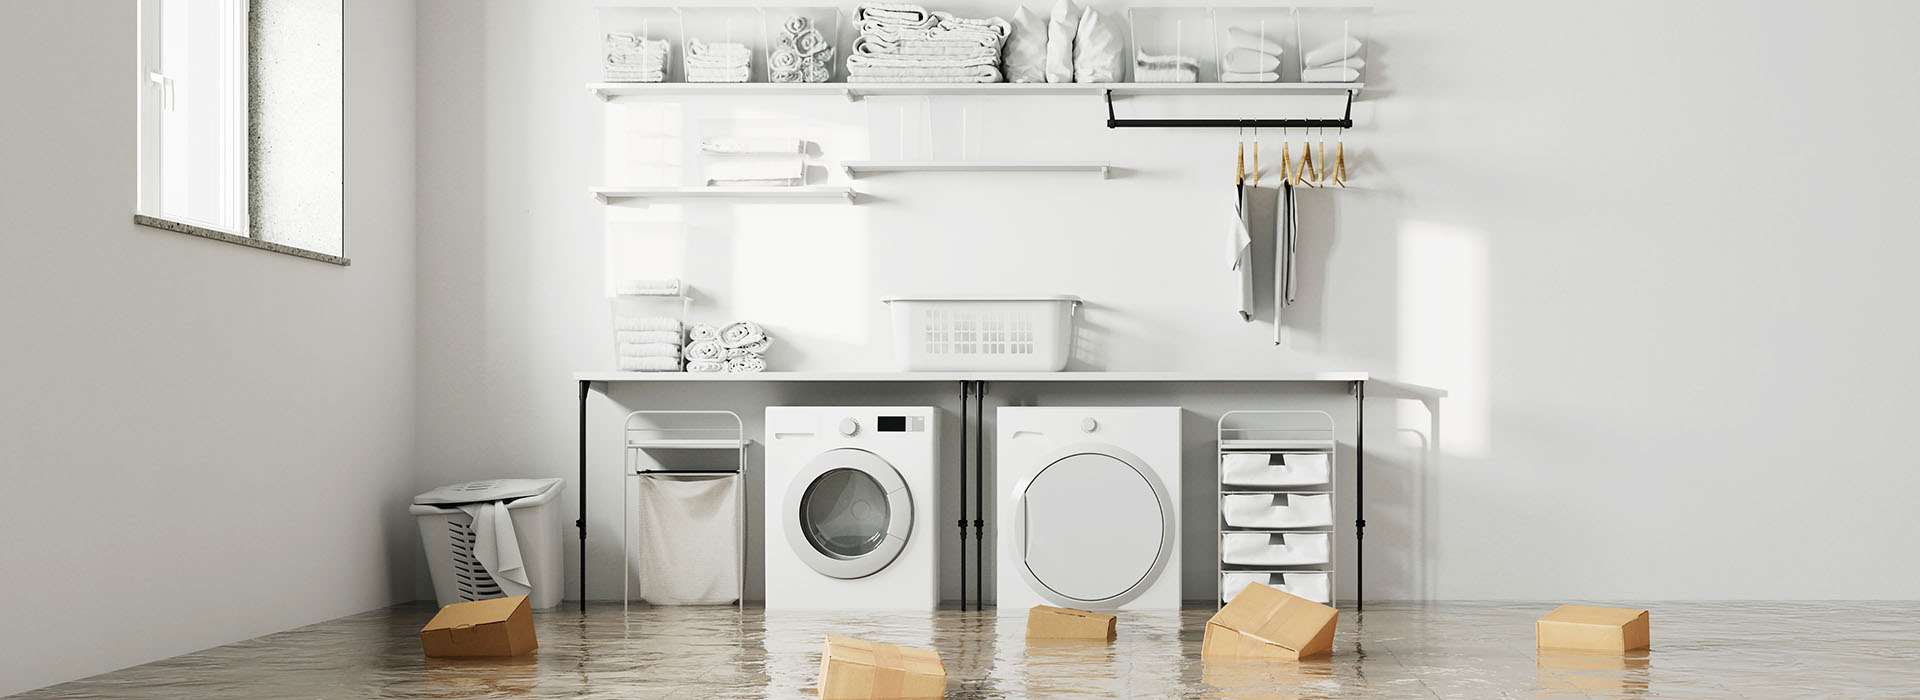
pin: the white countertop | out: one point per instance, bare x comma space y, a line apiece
605, 376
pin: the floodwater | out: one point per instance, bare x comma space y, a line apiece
1393, 650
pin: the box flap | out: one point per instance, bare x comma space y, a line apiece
1586, 615
861, 652
1275, 617
1070, 612
476, 613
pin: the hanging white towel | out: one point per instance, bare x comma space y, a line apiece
689, 539
497, 546
1284, 223
1240, 249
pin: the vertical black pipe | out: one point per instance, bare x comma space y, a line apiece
964, 398
1360, 494
979, 495
581, 522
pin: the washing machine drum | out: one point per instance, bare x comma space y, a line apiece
848, 513
1094, 527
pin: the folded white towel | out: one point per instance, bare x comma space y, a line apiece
641, 337
703, 331
1142, 58
756, 169
753, 146
668, 287
892, 12
1249, 61
1252, 39
985, 76
719, 75
1330, 74
613, 75
746, 365
703, 366
741, 334
1354, 62
1236, 77
704, 350
863, 62
648, 349
1183, 74
627, 363
646, 323
1331, 52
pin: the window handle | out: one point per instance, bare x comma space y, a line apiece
166, 88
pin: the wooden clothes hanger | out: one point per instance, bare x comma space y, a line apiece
1308, 173
1256, 156
1340, 160
1286, 160
1240, 160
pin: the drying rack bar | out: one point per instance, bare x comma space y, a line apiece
1344, 122
686, 472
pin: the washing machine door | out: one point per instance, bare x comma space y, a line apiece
1093, 527
848, 513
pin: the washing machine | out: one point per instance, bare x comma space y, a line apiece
1090, 507
850, 506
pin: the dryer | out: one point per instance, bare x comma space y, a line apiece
850, 506
1089, 507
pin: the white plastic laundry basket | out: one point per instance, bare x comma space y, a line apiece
1020, 334
458, 576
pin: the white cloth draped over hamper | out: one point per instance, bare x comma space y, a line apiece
1097, 49
800, 54
632, 58
495, 543
902, 43
719, 62
689, 539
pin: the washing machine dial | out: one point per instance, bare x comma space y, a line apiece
1088, 425
849, 427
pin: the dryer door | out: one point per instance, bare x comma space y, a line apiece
848, 513
1093, 527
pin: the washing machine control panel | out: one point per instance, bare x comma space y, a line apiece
900, 424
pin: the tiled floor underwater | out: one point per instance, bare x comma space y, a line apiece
1445, 650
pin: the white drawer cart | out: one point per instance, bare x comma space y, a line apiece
656, 432
1276, 503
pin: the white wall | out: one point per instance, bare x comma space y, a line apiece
201, 442
1655, 253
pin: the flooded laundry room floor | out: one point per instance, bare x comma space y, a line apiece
1393, 650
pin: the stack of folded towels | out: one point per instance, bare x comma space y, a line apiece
1335, 62
738, 347
1251, 57
719, 62
755, 162
647, 343
902, 43
1149, 68
801, 54
633, 58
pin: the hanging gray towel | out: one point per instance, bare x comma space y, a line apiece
689, 539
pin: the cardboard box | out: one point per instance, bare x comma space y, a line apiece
1048, 622
1593, 629
856, 669
1265, 622
496, 627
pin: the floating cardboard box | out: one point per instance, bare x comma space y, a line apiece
856, 669
496, 627
1048, 622
1263, 621
1593, 629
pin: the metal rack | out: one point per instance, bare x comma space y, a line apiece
1344, 122
647, 431
1277, 435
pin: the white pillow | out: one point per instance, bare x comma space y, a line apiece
1026, 50
1061, 28
1096, 50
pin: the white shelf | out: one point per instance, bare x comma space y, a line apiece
1276, 445
608, 91
855, 168
611, 194
605, 376
687, 444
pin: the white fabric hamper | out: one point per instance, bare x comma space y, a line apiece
448, 535
961, 334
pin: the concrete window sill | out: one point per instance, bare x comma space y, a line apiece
191, 230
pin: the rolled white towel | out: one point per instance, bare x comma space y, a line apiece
667, 287
705, 366
703, 331
704, 350
1243, 37
648, 364
735, 353
644, 337
746, 365
1236, 77
648, 349
1249, 61
1330, 74
758, 348
1331, 52
646, 323
741, 334
753, 146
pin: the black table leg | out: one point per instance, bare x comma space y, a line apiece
581, 523
1360, 494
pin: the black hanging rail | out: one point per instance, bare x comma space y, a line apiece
1345, 122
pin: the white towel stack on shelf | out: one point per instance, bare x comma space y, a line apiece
738, 347
755, 162
1251, 57
633, 58
801, 54
902, 43
1149, 68
719, 62
1336, 61
644, 343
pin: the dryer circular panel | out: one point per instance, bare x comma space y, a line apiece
1093, 528
847, 513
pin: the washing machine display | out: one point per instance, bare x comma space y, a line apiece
1092, 527
850, 513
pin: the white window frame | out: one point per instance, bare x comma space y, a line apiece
156, 91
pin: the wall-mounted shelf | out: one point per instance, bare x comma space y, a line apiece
608, 91
823, 193
856, 168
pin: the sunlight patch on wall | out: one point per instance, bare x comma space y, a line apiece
1445, 294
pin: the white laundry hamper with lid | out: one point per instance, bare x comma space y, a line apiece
447, 532
1018, 334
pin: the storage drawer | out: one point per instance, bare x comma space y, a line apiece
1278, 510
1276, 549
1267, 469
1316, 586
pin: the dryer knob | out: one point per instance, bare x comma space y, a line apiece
1088, 425
849, 427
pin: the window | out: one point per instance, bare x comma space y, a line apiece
240, 122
